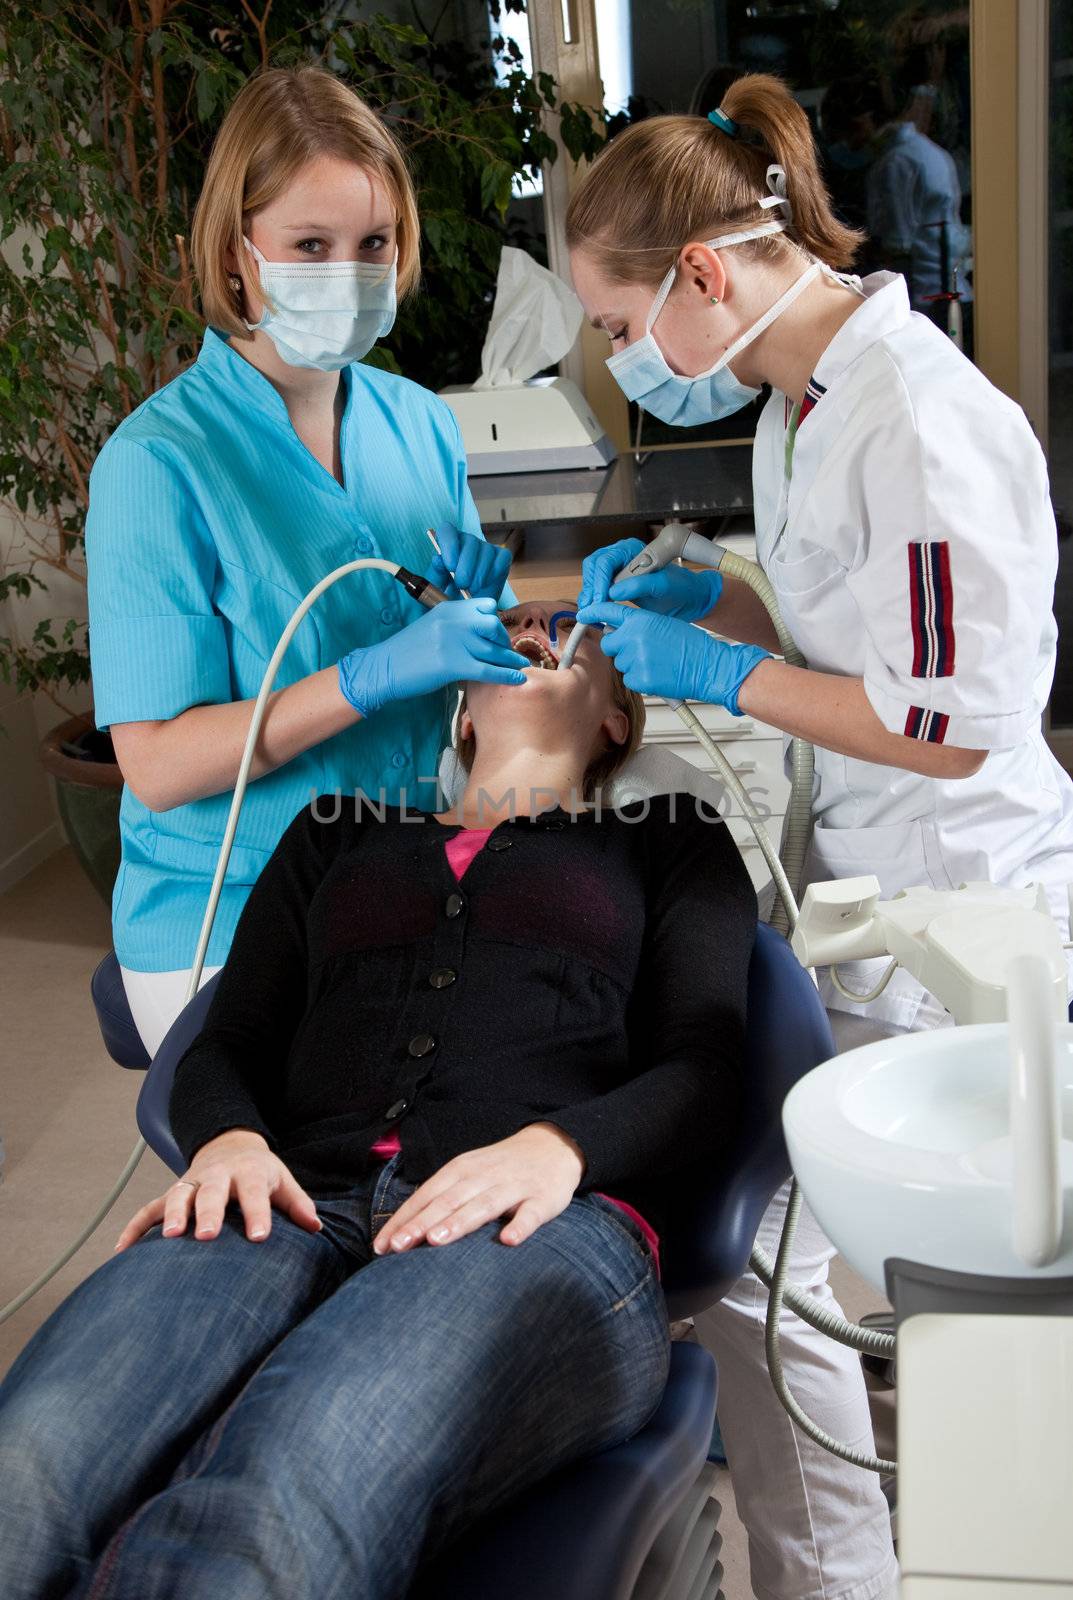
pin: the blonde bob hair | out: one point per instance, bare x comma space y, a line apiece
281, 119
669, 180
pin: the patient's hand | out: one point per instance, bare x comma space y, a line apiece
236, 1165
530, 1177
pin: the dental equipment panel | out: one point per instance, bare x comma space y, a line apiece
956, 942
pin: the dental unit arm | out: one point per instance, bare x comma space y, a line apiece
955, 942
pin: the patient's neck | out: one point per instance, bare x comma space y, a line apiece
514, 776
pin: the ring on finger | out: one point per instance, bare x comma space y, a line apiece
189, 1183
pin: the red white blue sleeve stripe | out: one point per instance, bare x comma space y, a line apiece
931, 609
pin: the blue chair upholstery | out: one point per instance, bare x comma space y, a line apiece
584, 1533
121, 1038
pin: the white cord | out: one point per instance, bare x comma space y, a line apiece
787, 879
737, 790
776, 1295
873, 994
256, 719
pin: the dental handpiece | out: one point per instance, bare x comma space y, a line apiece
419, 587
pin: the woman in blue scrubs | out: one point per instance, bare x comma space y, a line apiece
222, 500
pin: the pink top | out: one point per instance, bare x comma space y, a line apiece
461, 850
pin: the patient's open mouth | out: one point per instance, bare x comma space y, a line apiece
536, 651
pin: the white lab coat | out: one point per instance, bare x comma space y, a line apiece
915, 547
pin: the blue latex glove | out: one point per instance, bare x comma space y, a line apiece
673, 591
456, 641
598, 570
665, 656
476, 565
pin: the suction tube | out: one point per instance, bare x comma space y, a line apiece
678, 541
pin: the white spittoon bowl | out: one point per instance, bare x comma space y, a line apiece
903, 1148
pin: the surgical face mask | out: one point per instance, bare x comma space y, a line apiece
326, 313
641, 370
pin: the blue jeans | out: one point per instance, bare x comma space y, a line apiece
298, 1418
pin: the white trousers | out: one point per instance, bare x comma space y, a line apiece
818, 1527
156, 998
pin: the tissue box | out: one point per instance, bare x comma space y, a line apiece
543, 425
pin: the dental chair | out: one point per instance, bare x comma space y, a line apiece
636, 1522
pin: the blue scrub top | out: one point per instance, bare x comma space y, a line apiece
209, 522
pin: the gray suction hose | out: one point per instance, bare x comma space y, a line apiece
675, 541
421, 590
796, 833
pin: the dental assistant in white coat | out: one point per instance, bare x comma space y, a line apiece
904, 521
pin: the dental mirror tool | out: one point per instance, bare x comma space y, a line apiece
436, 546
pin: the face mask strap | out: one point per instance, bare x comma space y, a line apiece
761, 231
661, 298
723, 242
784, 300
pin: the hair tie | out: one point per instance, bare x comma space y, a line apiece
721, 120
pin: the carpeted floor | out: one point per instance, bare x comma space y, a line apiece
67, 1122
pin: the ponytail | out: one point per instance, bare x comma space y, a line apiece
668, 180
765, 106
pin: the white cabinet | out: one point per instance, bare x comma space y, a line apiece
754, 749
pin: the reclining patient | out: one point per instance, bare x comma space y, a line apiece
432, 1122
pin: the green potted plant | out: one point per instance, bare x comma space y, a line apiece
107, 111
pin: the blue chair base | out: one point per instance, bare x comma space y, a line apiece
121, 1038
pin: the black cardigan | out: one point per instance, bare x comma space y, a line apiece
588, 972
